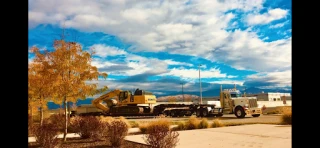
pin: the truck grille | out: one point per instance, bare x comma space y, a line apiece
253, 103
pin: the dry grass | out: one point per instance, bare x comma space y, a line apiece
204, 123
133, 124
125, 121
181, 126
216, 123
105, 119
286, 115
143, 127
192, 123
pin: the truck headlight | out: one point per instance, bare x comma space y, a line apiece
246, 105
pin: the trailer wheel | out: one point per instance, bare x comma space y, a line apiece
173, 113
198, 113
181, 114
204, 112
256, 115
239, 112
219, 115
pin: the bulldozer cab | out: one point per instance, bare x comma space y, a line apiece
124, 95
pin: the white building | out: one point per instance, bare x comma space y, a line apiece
271, 96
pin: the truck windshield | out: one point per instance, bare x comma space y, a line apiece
235, 95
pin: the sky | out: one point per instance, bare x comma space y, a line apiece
158, 45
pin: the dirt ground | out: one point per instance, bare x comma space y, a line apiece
89, 143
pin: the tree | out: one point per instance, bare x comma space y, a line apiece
72, 68
40, 79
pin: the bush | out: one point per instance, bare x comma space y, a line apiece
217, 123
30, 123
46, 135
192, 123
143, 127
181, 126
134, 124
116, 132
159, 135
125, 121
204, 123
105, 119
58, 120
286, 116
88, 126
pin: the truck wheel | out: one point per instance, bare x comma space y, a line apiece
219, 115
198, 113
181, 114
173, 113
239, 112
256, 115
204, 112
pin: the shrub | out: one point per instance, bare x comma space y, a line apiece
116, 132
192, 123
204, 123
125, 121
143, 127
30, 124
58, 120
46, 135
159, 135
286, 116
181, 126
216, 123
134, 124
105, 119
88, 127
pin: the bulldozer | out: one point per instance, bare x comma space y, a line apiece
124, 102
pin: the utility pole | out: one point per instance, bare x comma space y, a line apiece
200, 85
182, 92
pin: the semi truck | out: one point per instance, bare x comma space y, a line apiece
141, 103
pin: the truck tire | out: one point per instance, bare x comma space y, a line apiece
173, 113
204, 112
256, 115
198, 113
239, 112
219, 115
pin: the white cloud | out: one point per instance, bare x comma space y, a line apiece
227, 82
271, 15
271, 79
277, 25
231, 76
104, 50
197, 29
194, 73
171, 62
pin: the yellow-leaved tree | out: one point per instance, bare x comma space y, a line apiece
40, 79
72, 68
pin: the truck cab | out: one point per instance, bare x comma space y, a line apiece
232, 102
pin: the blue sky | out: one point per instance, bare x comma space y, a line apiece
157, 45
